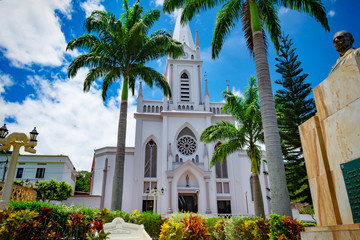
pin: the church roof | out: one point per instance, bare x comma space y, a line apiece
182, 32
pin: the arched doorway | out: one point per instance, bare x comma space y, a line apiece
188, 193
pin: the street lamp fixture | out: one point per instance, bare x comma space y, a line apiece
3, 131
16, 140
156, 192
33, 135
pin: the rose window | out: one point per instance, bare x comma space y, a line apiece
186, 145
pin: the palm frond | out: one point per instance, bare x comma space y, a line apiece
87, 42
87, 60
151, 17
271, 20
93, 74
150, 77
226, 19
233, 104
98, 21
224, 150
169, 6
219, 131
112, 76
158, 45
313, 7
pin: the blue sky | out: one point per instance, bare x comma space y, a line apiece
34, 89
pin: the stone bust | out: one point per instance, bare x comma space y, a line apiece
343, 42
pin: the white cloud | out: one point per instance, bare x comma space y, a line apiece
30, 31
69, 121
90, 5
331, 13
159, 62
282, 11
5, 81
158, 2
237, 92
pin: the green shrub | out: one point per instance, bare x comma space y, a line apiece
284, 228
216, 226
239, 228
152, 222
195, 227
53, 190
171, 231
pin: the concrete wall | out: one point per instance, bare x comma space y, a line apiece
86, 201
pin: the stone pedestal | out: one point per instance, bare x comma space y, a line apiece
329, 139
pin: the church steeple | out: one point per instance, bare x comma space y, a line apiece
182, 32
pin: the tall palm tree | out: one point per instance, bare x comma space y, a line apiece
118, 50
246, 133
257, 16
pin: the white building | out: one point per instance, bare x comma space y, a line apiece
168, 152
40, 168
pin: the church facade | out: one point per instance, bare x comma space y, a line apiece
169, 155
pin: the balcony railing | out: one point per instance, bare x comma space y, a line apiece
20, 193
152, 107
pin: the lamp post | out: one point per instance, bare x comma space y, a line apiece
155, 192
16, 140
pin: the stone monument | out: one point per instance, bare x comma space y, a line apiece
331, 146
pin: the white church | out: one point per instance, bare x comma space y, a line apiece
169, 155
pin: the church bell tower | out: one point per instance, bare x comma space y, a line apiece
184, 73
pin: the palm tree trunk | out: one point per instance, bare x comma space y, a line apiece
258, 199
117, 189
280, 200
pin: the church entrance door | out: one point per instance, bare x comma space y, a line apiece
188, 202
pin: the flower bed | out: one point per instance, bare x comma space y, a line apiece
38, 220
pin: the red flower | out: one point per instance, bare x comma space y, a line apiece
97, 225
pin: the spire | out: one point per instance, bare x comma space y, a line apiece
197, 42
140, 90
206, 86
140, 100
207, 98
182, 32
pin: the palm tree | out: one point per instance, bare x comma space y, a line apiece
118, 49
246, 133
257, 16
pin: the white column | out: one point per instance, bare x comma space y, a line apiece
208, 211
170, 209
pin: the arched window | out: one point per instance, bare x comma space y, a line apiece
186, 142
150, 159
144, 109
221, 167
184, 88
251, 188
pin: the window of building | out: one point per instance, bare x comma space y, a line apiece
19, 172
221, 167
184, 88
251, 188
149, 185
40, 173
150, 159
186, 142
224, 206
148, 205
222, 187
